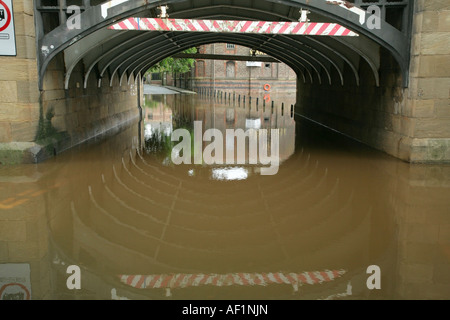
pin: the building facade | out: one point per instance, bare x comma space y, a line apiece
242, 77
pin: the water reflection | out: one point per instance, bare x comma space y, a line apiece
140, 227
220, 127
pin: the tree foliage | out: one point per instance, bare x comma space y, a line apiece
174, 65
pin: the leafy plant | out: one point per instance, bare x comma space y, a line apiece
45, 128
174, 65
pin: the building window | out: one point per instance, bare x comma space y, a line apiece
201, 68
231, 69
230, 46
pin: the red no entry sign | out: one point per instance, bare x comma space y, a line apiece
7, 34
5, 16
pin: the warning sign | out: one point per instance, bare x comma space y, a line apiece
7, 34
15, 281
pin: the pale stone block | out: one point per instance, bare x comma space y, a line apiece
433, 88
28, 91
24, 131
5, 132
15, 111
24, 25
423, 109
435, 66
435, 5
427, 5
23, 6
435, 43
18, 69
443, 108
430, 21
444, 21
432, 128
26, 47
8, 91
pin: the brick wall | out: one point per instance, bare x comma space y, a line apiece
243, 79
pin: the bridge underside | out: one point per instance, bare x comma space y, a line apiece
314, 58
371, 87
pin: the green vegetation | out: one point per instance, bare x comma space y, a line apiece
159, 142
46, 129
47, 135
174, 65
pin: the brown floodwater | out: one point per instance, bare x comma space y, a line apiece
140, 227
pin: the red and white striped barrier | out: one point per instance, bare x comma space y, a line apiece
224, 280
234, 26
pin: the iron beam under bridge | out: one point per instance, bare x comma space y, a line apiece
224, 57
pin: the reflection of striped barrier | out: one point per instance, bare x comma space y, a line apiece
224, 280
257, 27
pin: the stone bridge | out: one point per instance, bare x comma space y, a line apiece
73, 78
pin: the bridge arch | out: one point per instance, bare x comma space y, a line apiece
313, 58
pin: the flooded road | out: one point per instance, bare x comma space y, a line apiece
140, 227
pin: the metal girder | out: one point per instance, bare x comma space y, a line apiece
234, 26
330, 52
372, 57
130, 56
285, 56
326, 60
76, 52
250, 13
91, 20
353, 65
102, 54
221, 38
153, 43
317, 54
203, 56
273, 50
387, 36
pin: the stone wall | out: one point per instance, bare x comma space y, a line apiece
81, 114
412, 124
35, 125
19, 93
429, 94
367, 113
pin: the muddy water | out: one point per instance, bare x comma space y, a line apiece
140, 227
